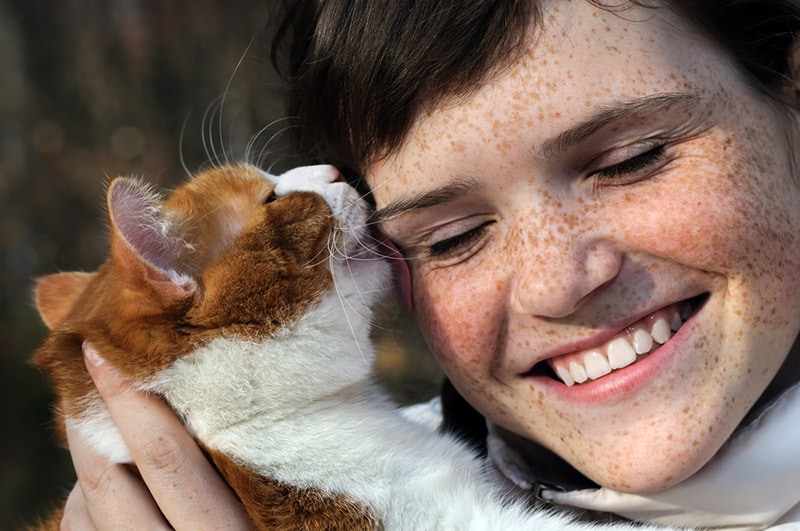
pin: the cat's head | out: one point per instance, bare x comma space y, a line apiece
233, 252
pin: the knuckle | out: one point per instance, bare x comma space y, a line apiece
94, 476
163, 455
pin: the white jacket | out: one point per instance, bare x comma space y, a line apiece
752, 483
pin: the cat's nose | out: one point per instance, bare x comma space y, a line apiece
322, 173
332, 174
309, 178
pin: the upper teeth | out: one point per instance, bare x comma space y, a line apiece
636, 342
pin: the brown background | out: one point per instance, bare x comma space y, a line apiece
91, 89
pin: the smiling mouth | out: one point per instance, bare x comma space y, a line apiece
633, 344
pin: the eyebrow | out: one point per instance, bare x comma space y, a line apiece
647, 105
443, 194
653, 103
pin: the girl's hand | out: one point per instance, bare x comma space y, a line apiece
176, 486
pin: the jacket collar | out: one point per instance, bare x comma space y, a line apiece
753, 482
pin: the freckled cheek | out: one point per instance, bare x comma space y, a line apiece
691, 231
715, 217
460, 316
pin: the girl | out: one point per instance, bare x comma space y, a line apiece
599, 206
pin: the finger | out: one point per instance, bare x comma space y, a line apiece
76, 514
185, 485
110, 496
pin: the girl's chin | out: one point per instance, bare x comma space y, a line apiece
651, 466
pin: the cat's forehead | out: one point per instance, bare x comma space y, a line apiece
223, 184
229, 181
221, 194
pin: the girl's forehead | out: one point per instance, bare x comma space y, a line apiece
580, 60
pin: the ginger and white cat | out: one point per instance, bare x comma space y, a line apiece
245, 301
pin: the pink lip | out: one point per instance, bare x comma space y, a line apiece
599, 339
621, 381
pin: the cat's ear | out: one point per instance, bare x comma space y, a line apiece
145, 244
55, 295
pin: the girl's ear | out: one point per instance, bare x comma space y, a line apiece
402, 282
146, 246
56, 294
400, 271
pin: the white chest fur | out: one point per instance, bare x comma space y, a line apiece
299, 407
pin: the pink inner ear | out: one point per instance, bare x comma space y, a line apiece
136, 215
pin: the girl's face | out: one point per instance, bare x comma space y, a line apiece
604, 243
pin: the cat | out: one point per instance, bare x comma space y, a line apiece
245, 300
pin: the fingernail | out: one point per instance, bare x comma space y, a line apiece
91, 355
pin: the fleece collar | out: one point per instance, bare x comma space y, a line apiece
752, 483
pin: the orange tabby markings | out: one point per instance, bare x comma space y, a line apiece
281, 506
210, 260
246, 301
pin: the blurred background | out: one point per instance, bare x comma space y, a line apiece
95, 88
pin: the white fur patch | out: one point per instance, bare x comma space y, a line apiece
98, 429
299, 406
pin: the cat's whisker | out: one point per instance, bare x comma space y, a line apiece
360, 292
342, 300
339, 253
207, 123
276, 383
316, 260
366, 241
377, 245
256, 155
321, 256
227, 91
181, 138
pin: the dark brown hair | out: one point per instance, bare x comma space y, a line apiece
361, 71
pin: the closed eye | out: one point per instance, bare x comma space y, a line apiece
458, 243
627, 170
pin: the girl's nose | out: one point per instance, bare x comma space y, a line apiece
554, 280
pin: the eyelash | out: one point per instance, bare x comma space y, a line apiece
633, 164
450, 246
